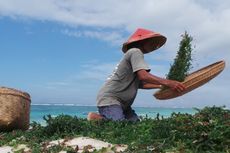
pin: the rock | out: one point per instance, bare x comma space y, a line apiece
120, 148
6, 149
79, 144
84, 143
22, 147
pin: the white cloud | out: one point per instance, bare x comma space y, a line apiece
207, 21
112, 36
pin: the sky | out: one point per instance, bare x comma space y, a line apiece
62, 51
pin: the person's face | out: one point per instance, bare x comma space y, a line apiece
147, 46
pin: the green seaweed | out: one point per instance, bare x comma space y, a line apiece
183, 61
208, 130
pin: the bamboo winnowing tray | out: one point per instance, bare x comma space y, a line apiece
193, 81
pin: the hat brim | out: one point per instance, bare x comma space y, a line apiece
158, 41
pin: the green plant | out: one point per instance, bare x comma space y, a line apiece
206, 131
182, 63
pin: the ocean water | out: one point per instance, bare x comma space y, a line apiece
38, 111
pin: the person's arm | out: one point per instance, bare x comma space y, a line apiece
145, 76
146, 85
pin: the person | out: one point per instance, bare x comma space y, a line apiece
116, 96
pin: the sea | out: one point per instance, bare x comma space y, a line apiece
37, 111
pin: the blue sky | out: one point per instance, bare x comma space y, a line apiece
62, 51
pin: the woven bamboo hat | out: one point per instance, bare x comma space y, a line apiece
140, 34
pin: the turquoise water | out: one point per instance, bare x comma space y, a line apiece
38, 111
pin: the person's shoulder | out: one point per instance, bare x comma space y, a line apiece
133, 51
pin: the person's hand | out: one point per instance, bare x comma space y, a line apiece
175, 85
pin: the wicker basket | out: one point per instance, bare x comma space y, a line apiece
193, 80
14, 109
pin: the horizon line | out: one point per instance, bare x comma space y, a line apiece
74, 104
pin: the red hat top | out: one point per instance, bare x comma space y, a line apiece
143, 34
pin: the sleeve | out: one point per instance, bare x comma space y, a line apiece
137, 61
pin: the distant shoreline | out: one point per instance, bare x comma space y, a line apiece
80, 105
40, 110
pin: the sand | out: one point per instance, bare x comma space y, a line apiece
79, 144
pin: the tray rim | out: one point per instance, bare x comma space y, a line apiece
216, 67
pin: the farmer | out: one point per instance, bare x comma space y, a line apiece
115, 98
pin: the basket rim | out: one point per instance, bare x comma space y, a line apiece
14, 92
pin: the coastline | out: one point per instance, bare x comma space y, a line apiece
40, 110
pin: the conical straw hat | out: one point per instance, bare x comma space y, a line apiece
143, 34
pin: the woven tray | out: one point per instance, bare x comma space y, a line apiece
193, 81
14, 109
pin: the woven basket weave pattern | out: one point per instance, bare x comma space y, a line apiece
14, 109
193, 80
